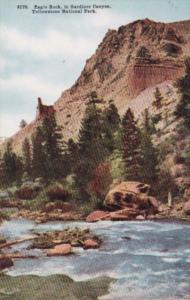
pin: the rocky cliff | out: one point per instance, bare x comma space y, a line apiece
126, 67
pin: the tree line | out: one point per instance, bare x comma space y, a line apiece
103, 136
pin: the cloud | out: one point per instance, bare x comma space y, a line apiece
52, 43
3, 64
28, 83
108, 19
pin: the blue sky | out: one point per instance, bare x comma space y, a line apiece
42, 55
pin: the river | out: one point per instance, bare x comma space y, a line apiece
149, 260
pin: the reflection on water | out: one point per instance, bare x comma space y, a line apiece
153, 264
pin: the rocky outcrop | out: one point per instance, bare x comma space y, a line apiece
127, 200
128, 61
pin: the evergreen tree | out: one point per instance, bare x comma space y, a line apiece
147, 122
72, 155
110, 126
148, 151
53, 146
112, 116
91, 143
158, 99
183, 108
23, 124
27, 156
39, 168
131, 144
149, 158
12, 165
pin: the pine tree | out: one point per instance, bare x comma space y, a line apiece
53, 146
110, 126
72, 155
131, 144
149, 158
91, 143
112, 116
158, 99
148, 151
23, 124
27, 156
183, 108
12, 165
147, 122
39, 168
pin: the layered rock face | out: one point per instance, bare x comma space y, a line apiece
130, 60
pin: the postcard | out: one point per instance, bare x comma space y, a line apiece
95, 150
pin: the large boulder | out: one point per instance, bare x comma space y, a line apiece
131, 194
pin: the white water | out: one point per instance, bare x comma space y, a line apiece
154, 264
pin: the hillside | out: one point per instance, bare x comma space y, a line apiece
126, 67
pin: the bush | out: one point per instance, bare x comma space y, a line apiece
38, 203
156, 119
26, 193
57, 192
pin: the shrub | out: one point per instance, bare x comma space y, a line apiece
38, 203
156, 119
57, 192
26, 193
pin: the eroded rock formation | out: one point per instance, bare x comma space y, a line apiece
128, 62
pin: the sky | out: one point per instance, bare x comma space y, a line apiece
43, 54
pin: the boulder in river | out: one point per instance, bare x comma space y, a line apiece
90, 244
63, 249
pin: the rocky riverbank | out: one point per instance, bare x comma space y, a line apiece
127, 200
